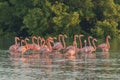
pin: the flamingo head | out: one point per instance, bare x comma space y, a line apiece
65, 35
109, 37
76, 35
81, 35
60, 35
39, 37
90, 37
26, 39
17, 38
95, 39
34, 37
50, 39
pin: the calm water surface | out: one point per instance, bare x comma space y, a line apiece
48, 67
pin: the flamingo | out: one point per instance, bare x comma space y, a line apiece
13, 48
75, 42
87, 49
34, 46
49, 41
93, 48
58, 45
44, 48
105, 46
22, 49
84, 50
71, 50
81, 35
47, 48
38, 41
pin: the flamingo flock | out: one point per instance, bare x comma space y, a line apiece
50, 46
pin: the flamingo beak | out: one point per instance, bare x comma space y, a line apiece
81, 35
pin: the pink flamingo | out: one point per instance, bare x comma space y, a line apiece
44, 48
34, 46
49, 41
105, 46
84, 50
74, 43
14, 47
47, 48
22, 49
93, 48
87, 49
71, 50
39, 41
81, 35
58, 45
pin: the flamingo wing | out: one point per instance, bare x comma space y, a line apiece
102, 45
57, 46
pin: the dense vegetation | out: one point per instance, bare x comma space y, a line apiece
52, 17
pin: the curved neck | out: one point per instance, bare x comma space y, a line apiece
38, 41
22, 42
89, 41
16, 40
26, 44
63, 40
59, 36
33, 40
107, 42
43, 42
93, 42
49, 45
75, 36
74, 42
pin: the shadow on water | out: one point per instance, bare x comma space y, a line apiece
57, 67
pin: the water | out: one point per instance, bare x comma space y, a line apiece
48, 67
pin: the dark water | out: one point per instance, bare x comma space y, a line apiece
57, 67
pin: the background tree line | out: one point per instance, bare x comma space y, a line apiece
25, 18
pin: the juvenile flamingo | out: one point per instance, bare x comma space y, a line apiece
105, 46
13, 48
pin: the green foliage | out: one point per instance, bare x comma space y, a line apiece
105, 28
51, 17
35, 21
